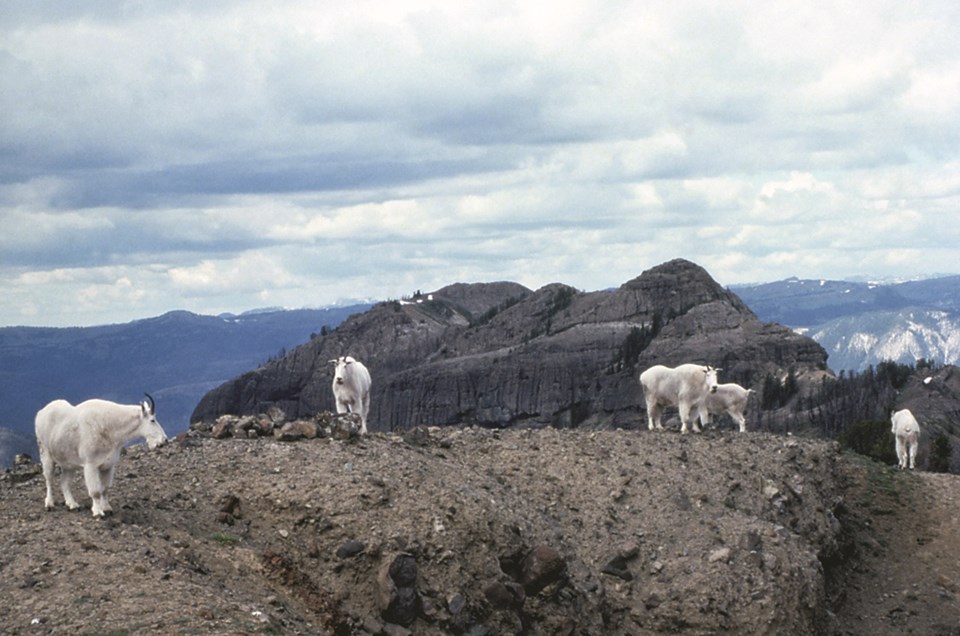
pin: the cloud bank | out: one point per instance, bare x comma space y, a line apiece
162, 155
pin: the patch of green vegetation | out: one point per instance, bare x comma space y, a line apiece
225, 538
776, 393
940, 453
871, 438
883, 487
636, 341
493, 311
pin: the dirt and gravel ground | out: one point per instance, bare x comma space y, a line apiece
474, 531
906, 579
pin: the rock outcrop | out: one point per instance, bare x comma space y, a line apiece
499, 354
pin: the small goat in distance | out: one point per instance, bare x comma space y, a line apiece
906, 430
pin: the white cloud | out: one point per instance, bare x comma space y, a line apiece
217, 156
933, 93
245, 274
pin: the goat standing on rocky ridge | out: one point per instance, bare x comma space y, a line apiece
351, 388
685, 387
90, 435
728, 398
906, 429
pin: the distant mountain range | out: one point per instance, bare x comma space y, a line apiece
176, 357
861, 324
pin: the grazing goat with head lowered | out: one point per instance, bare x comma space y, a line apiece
90, 436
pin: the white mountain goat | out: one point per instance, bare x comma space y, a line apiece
90, 436
351, 388
685, 386
906, 430
728, 398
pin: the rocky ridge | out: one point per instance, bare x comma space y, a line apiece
500, 355
263, 525
439, 531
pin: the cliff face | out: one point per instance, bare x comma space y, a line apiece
499, 354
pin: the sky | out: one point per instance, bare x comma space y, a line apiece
229, 155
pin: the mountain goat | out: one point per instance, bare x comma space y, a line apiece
685, 386
728, 398
906, 430
351, 388
90, 436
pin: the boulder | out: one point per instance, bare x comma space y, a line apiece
398, 598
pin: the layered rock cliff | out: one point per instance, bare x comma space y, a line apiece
499, 354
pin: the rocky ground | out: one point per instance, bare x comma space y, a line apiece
476, 531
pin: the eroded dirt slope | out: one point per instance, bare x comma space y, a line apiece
477, 532
906, 577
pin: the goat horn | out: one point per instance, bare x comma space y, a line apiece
153, 405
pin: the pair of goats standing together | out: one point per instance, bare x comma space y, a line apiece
692, 388
90, 435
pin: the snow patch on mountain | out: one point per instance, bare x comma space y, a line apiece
856, 342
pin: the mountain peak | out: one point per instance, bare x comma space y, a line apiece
499, 354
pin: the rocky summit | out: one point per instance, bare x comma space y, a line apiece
499, 354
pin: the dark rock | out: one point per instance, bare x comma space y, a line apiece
652, 601
398, 598
228, 509
617, 566
504, 596
751, 541
542, 566
350, 549
403, 570
456, 604
229, 504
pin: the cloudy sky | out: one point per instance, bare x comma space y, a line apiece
229, 155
